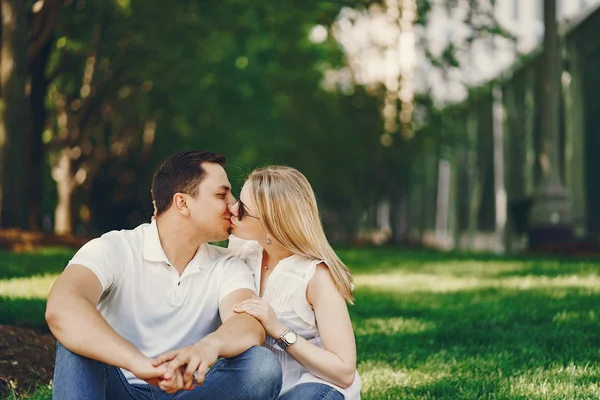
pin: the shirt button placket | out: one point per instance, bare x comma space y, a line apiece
176, 291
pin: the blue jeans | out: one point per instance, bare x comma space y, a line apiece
254, 374
312, 391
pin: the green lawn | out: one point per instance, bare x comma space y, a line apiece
430, 325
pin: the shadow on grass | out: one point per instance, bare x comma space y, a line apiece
470, 341
382, 260
45, 261
27, 313
431, 254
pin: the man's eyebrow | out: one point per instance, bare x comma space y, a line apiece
225, 188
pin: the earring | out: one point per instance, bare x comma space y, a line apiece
269, 241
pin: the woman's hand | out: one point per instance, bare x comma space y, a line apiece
262, 311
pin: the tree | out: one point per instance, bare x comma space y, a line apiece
394, 33
550, 216
26, 109
98, 105
42, 28
115, 86
13, 116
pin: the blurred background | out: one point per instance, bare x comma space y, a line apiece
457, 124
464, 125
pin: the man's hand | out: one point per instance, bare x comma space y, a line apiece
175, 383
144, 369
196, 358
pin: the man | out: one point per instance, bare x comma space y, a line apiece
161, 291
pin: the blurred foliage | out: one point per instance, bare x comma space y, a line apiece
127, 82
134, 81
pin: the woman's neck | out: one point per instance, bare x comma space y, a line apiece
274, 253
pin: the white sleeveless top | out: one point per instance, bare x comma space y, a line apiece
286, 293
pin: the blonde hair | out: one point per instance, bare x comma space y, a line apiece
287, 207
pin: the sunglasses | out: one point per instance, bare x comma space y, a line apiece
242, 211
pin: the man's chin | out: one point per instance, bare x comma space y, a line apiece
220, 237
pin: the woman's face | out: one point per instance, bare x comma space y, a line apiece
244, 221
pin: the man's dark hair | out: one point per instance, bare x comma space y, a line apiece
181, 172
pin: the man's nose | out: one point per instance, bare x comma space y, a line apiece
231, 201
233, 207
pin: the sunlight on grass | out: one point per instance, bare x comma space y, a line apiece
570, 382
465, 269
575, 316
35, 287
379, 377
392, 326
446, 283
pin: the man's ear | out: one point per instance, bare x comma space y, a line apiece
180, 204
155, 210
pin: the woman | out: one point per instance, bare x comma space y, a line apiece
303, 286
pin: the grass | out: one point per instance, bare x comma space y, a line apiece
43, 393
25, 280
434, 326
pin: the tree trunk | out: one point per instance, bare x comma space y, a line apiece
575, 132
39, 88
400, 216
63, 174
550, 217
474, 173
550, 117
499, 185
13, 116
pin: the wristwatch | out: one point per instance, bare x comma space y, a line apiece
287, 338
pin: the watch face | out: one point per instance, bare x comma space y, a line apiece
290, 337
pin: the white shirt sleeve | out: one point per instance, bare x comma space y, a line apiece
105, 257
235, 275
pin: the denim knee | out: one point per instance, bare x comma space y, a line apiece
77, 377
262, 372
66, 360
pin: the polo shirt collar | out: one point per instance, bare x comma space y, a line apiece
201, 259
153, 250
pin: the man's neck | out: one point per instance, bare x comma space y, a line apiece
178, 243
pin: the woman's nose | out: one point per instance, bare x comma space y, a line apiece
233, 208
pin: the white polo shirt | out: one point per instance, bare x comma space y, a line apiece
146, 301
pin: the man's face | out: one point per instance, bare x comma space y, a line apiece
209, 210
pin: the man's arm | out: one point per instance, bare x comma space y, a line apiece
74, 320
238, 332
